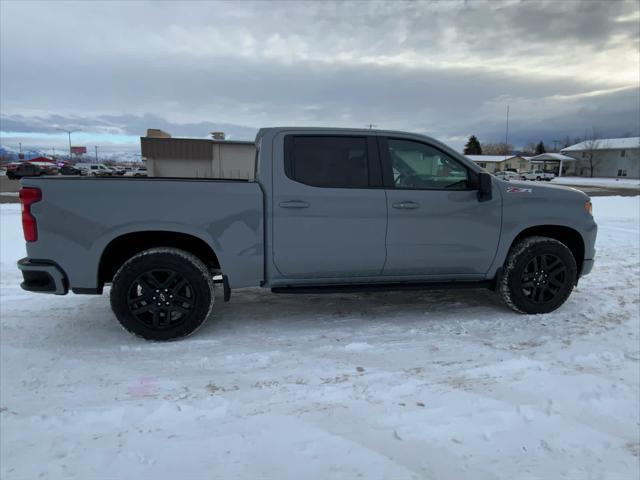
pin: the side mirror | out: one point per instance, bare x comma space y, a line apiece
484, 186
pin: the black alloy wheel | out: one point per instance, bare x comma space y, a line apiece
162, 293
538, 275
161, 298
543, 278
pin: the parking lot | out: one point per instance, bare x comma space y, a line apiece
9, 190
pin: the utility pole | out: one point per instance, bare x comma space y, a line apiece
555, 145
506, 137
20, 147
370, 125
69, 132
96, 147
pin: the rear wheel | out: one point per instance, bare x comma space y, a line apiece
162, 294
538, 276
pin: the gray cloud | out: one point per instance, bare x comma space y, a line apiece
126, 125
444, 68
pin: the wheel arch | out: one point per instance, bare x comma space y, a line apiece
124, 246
566, 235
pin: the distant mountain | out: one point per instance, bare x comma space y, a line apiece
11, 154
125, 157
7, 150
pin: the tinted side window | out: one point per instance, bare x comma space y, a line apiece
327, 161
419, 166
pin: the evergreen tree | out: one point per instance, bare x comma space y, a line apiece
473, 146
540, 148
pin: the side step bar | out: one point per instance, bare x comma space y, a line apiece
382, 287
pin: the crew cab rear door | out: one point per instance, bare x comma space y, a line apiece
329, 206
437, 226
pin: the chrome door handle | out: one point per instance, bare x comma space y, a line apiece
294, 204
406, 205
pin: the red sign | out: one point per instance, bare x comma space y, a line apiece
78, 150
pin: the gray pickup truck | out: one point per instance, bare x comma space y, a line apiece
331, 210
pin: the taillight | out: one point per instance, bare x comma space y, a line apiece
29, 196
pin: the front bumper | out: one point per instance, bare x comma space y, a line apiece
43, 276
587, 266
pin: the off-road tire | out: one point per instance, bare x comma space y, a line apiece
126, 286
522, 254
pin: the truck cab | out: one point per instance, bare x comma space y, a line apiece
373, 207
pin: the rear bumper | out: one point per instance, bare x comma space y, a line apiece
43, 276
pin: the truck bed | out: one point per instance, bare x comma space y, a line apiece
77, 219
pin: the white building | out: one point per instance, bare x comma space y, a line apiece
497, 163
166, 156
606, 157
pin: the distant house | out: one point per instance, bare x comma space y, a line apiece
497, 163
517, 163
609, 157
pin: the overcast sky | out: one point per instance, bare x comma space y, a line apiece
447, 69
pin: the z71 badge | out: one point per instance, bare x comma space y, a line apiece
518, 190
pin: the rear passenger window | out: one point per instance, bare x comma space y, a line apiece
327, 161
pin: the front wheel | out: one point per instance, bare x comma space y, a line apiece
538, 276
162, 294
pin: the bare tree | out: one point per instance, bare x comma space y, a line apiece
497, 148
529, 149
591, 144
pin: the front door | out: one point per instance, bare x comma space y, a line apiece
437, 225
329, 207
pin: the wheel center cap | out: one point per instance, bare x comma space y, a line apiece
162, 297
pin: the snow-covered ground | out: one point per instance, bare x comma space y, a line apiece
446, 385
633, 183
